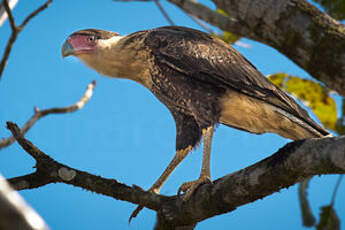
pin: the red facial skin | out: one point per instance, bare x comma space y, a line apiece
82, 43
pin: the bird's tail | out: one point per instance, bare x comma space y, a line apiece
303, 127
256, 116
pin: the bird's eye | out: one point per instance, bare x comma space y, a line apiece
91, 38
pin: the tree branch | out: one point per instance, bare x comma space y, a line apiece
201, 24
15, 213
50, 171
16, 30
162, 10
292, 163
213, 17
9, 14
35, 13
38, 114
310, 38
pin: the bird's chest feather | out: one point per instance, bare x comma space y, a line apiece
188, 96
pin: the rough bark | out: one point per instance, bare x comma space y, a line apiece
292, 163
310, 38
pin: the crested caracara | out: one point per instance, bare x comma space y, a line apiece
202, 81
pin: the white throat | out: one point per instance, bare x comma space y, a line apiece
115, 58
108, 43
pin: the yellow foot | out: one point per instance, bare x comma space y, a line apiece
189, 187
140, 207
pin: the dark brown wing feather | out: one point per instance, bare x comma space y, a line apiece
208, 59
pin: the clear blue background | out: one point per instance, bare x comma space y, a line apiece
124, 132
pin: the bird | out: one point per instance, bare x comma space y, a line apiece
202, 80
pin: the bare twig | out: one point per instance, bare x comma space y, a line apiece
198, 11
281, 170
16, 30
165, 14
308, 218
3, 13
12, 39
41, 113
209, 15
132, 0
200, 23
9, 14
36, 12
334, 195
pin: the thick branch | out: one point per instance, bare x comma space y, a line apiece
291, 164
310, 38
16, 30
38, 114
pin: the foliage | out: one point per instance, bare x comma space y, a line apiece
228, 37
317, 98
313, 95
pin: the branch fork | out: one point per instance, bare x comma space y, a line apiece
294, 162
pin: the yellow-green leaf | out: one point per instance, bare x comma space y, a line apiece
222, 12
278, 79
312, 94
228, 37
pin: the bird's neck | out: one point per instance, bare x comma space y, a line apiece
121, 60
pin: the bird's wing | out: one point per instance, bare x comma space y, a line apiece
208, 59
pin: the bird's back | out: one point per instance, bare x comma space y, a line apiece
206, 59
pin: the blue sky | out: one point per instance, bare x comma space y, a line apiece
124, 132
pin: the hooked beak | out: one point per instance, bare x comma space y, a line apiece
67, 49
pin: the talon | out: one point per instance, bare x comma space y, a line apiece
135, 213
140, 207
189, 187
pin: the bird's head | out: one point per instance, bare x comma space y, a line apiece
88, 42
108, 53
98, 49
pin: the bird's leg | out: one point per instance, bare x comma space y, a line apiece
156, 187
178, 158
205, 177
